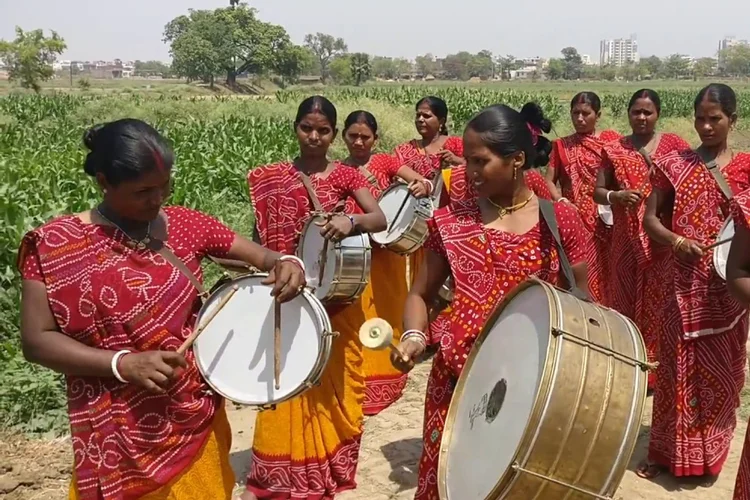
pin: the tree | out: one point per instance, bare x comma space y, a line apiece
705, 66
652, 65
556, 69
151, 68
736, 60
456, 66
291, 61
676, 66
506, 64
482, 65
573, 63
385, 68
325, 47
340, 69
426, 65
30, 56
360, 67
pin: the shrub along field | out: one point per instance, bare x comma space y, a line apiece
216, 140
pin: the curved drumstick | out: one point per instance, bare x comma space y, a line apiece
400, 209
276, 343
718, 243
193, 336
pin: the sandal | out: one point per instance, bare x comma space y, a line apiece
649, 471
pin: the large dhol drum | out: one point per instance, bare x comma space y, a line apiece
235, 353
347, 262
721, 252
407, 220
549, 403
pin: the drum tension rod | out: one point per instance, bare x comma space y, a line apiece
518, 468
330, 334
645, 366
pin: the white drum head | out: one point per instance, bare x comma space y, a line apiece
310, 246
235, 353
390, 202
494, 404
605, 214
721, 253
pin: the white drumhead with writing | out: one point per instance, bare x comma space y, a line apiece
721, 253
390, 203
605, 214
488, 428
311, 245
235, 353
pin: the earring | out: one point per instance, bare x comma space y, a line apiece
515, 173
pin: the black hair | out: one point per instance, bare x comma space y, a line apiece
361, 116
439, 108
506, 131
646, 94
589, 98
125, 149
721, 94
316, 104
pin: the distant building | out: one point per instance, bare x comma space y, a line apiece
586, 59
619, 52
728, 43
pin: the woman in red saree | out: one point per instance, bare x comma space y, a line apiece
102, 305
308, 447
702, 347
738, 281
574, 163
430, 154
639, 269
388, 287
489, 244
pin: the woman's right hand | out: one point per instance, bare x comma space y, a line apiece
689, 250
154, 371
626, 197
419, 189
408, 352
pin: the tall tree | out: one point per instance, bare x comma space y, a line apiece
325, 47
573, 63
426, 65
652, 65
555, 69
30, 56
340, 69
456, 66
360, 67
736, 60
290, 62
676, 66
506, 64
385, 67
482, 65
705, 66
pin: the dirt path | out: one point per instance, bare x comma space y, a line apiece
387, 468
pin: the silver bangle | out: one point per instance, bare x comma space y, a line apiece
609, 193
430, 184
294, 259
113, 365
414, 334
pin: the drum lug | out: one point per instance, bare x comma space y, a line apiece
266, 408
331, 334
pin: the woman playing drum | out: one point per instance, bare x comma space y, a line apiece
103, 305
385, 296
574, 164
738, 281
308, 447
702, 345
489, 244
638, 270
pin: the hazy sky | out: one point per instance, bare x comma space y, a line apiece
132, 29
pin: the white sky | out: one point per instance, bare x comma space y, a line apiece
132, 29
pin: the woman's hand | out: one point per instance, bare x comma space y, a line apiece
288, 280
408, 352
154, 371
449, 157
420, 189
339, 227
689, 250
626, 197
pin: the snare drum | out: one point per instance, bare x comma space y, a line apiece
605, 214
347, 264
407, 220
557, 386
721, 253
235, 353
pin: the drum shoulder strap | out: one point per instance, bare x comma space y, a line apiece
368, 175
310, 191
718, 176
170, 257
647, 157
547, 210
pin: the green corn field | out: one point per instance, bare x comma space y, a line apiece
216, 141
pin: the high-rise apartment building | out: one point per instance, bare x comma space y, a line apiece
618, 52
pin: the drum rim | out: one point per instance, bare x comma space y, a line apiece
395, 242
451, 416
729, 220
326, 343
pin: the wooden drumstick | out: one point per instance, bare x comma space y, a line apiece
193, 336
718, 243
276, 343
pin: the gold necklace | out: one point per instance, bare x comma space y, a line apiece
503, 211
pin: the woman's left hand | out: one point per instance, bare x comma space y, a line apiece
288, 280
339, 227
449, 157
